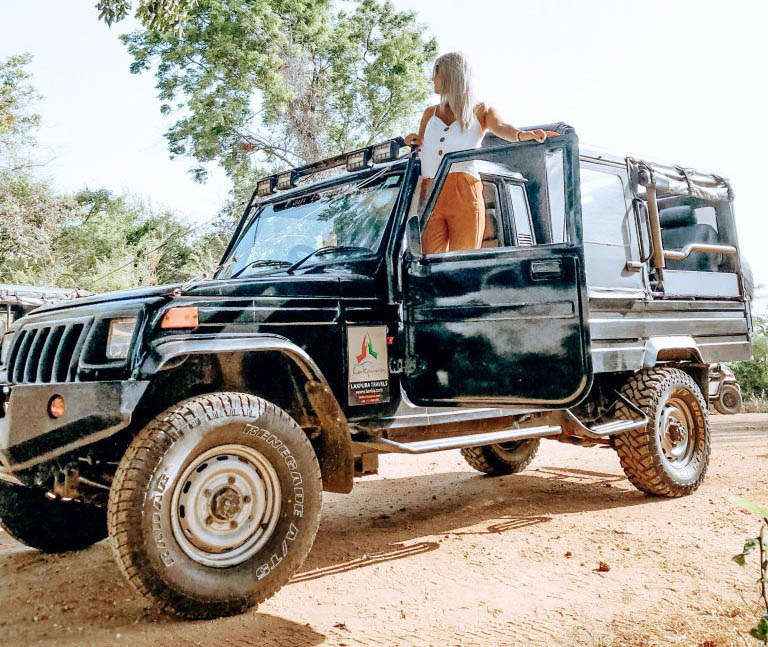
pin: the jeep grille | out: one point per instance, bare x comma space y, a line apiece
46, 354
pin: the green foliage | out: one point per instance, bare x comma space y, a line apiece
93, 239
760, 544
18, 122
266, 84
162, 15
74, 241
753, 375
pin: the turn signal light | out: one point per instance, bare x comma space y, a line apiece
181, 317
56, 406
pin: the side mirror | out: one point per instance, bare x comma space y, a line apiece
413, 238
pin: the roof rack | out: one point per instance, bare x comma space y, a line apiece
356, 160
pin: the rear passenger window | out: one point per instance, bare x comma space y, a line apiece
603, 207
520, 214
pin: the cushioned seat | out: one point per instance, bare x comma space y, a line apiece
679, 228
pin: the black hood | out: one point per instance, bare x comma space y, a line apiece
322, 285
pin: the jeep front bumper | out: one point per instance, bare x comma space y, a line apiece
92, 411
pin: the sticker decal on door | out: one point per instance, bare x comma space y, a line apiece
367, 365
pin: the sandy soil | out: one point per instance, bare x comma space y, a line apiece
432, 553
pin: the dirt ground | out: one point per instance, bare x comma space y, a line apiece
432, 553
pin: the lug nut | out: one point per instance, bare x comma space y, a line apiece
246, 499
233, 524
231, 480
209, 521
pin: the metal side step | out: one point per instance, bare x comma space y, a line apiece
610, 428
457, 442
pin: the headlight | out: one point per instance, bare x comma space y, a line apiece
120, 335
5, 349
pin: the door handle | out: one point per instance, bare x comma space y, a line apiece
546, 269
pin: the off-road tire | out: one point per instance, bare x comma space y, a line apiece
52, 525
728, 401
497, 460
640, 451
143, 504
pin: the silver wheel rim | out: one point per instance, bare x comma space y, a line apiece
226, 505
677, 432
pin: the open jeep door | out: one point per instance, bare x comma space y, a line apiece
504, 325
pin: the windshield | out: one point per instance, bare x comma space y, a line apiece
351, 216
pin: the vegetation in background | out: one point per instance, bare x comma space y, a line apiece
92, 239
759, 544
267, 84
164, 15
753, 375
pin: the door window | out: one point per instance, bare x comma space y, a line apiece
521, 214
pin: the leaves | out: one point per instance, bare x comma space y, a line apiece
160, 15
262, 85
761, 631
752, 507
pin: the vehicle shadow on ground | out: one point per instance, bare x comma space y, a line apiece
80, 597
380, 519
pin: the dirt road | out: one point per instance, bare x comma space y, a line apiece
432, 553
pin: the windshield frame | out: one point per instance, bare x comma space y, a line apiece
256, 206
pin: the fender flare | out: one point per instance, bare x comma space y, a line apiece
674, 347
335, 449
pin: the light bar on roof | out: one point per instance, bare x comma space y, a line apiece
359, 160
266, 186
386, 152
287, 180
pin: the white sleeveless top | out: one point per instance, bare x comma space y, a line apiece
440, 139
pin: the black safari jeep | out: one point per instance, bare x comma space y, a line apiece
197, 425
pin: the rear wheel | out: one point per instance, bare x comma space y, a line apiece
668, 457
729, 400
48, 523
215, 505
504, 458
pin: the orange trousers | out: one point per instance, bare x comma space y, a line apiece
458, 219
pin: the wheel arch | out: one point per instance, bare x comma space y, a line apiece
268, 366
679, 351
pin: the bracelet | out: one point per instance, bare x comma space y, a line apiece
517, 135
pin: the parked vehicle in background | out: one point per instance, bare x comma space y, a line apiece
198, 424
18, 300
724, 389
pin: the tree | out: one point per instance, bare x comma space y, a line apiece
163, 15
18, 122
753, 375
273, 83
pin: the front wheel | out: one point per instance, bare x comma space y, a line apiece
669, 456
215, 505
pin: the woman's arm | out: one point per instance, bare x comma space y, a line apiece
492, 121
416, 139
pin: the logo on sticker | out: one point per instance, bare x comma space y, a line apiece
368, 366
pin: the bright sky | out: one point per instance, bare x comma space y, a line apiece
682, 81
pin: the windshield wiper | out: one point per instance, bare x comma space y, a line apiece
259, 263
327, 250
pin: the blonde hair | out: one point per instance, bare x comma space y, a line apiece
458, 90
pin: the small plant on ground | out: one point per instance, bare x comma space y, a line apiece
760, 544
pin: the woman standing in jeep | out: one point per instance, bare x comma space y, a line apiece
457, 123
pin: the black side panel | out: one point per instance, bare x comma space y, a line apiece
498, 327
